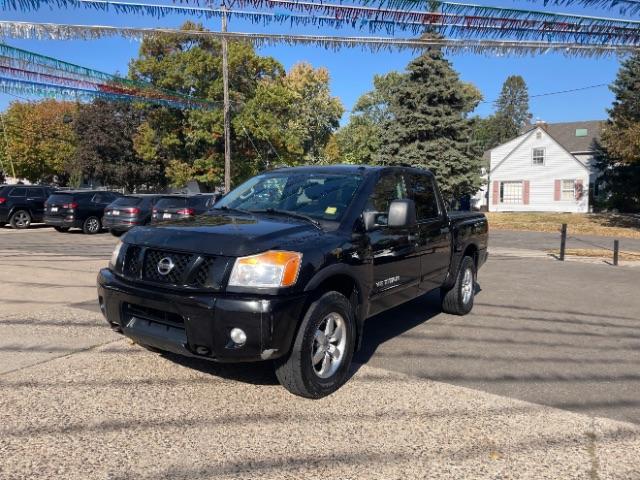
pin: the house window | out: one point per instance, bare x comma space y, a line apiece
511, 192
538, 156
568, 191
582, 132
539, 135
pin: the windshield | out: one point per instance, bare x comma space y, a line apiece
323, 196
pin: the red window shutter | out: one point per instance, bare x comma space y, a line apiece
496, 193
525, 192
579, 189
556, 191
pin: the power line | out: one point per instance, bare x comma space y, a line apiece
560, 92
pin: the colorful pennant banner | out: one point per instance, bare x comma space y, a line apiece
26, 87
87, 32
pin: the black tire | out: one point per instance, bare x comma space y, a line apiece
459, 300
92, 225
296, 371
61, 229
116, 233
20, 219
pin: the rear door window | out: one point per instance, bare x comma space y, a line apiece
35, 193
422, 191
18, 192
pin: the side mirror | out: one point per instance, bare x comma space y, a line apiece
369, 220
402, 213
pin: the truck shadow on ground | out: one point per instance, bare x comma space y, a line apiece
378, 330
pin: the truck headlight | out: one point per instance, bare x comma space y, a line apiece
114, 256
274, 268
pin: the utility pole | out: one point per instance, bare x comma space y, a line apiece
227, 116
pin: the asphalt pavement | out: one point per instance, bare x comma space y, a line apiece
551, 241
540, 381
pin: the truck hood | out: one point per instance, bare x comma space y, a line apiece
226, 234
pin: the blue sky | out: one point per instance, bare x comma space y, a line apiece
352, 70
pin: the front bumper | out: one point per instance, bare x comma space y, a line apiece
198, 324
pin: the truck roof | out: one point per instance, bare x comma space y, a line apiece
346, 168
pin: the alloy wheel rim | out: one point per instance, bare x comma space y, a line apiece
329, 345
22, 220
467, 286
93, 225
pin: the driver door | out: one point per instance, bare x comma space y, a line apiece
396, 264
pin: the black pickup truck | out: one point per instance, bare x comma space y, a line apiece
288, 266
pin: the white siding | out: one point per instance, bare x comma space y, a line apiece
559, 165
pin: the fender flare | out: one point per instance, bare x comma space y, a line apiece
362, 291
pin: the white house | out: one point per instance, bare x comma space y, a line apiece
548, 168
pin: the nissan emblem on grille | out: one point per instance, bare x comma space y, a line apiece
165, 265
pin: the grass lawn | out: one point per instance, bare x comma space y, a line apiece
605, 224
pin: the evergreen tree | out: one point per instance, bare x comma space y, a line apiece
511, 117
621, 137
618, 152
512, 106
430, 126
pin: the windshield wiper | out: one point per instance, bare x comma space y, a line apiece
302, 216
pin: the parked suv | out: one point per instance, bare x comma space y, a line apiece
78, 209
127, 212
175, 207
22, 205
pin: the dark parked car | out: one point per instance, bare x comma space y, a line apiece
289, 265
127, 212
78, 209
22, 205
174, 207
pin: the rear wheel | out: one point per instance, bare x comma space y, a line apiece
61, 229
20, 219
91, 225
319, 361
459, 299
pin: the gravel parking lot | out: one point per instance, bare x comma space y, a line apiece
539, 382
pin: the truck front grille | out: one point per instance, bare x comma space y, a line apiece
189, 269
175, 276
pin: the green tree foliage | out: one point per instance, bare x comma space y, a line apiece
39, 141
291, 118
190, 142
105, 132
359, 141
276, 117
430, 127
618, 152
621, 137
511, 117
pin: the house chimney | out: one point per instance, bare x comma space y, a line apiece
542, 124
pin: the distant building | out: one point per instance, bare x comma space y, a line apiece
549, 168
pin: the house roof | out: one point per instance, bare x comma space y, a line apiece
565, 134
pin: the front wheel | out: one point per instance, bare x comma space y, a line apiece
91, 225
459, 299
319, 361
21, 219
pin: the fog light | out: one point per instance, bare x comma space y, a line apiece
238, 336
